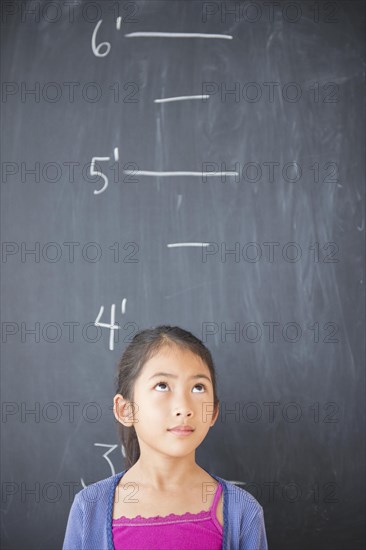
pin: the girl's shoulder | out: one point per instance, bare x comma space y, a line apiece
244, 517
238, 498
99, 491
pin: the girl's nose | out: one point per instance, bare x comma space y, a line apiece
183, 410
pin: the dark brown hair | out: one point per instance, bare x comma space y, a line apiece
143, 347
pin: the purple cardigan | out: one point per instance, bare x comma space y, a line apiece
89, 526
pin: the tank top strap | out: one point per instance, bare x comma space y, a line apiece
216, 500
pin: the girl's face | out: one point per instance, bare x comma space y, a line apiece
183, 394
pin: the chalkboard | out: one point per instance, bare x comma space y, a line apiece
197, 164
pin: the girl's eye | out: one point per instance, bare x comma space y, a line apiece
165, 384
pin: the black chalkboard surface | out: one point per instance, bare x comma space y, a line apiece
197, 164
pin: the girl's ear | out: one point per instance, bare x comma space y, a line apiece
215, 415
123, 410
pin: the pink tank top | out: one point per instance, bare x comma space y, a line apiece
200, 531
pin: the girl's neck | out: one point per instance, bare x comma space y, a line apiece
166, 478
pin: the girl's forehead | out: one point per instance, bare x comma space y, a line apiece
174, 358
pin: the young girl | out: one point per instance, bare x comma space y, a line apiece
165, 404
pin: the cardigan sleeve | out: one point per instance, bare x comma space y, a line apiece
254, 537
74, 529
